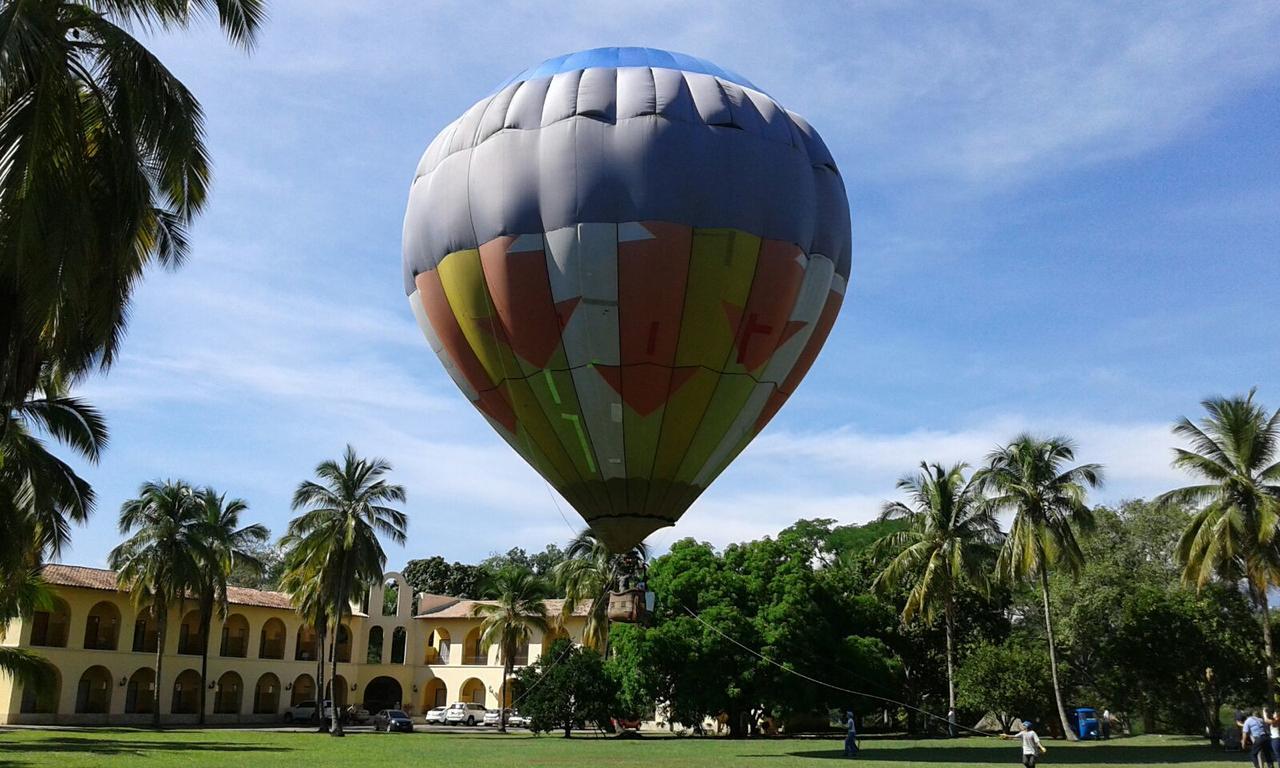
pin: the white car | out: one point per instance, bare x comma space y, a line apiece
304, 711
517, 720
464, 713
435, 716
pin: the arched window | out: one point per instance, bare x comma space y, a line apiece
49, 627
102, 629
390, 598
435, 694
93, 696
230, 690
235, 637
304, 689
344, 643
473, 651
437, 651
521, 656
146, 633
189, 640
473, 691
38, 702
375, 645
186, 693
140, 696
266, 695
306, 648
271, 642
398, 639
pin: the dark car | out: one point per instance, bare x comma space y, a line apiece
392, 720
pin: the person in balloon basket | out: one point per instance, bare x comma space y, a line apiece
851, 735
1031, 746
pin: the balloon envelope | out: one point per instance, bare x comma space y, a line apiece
627, 259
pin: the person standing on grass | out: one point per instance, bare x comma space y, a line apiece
851, 736
1254, 733
951, 722
1106, 723
1031, 746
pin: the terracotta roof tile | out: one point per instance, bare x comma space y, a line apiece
100, 578
461, 609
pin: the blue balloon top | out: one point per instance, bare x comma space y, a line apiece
627, 57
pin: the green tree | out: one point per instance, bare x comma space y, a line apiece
586, 575
435, 576
508, 622
302, 579
228, 546
161, 561
1008, 679
336, 536
263, 569
566, 688
949, 542
104, 167
1030, 478
1234, 453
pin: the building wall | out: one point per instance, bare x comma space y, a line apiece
418, 676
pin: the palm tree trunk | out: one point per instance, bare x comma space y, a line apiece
1053, 655
161, 611
318, 716
951, 677
1265, 604
338, 605
205, 620
507, 663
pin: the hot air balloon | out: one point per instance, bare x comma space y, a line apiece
627, 259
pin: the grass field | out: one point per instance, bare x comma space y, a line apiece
121, 747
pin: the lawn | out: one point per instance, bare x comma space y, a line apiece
118, 746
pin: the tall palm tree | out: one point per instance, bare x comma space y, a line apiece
162, 560
1030, 478
949, 541
518, 608
228, 547
23, 595
1235, 452
343, 514
587, 574
104, 167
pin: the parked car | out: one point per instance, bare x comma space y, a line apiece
491, 717
302, 712
517, 720
435, 716
356, 714
392, 720
464, 713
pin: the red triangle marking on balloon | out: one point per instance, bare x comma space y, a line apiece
565, 310
791, 329
647, 387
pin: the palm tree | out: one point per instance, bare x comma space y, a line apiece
1235, 451
587, 574
1029, 478
302, 581
517, 609
104, 167
24, 594
228, 547
949, 541
162, 560
338, 531
39, 493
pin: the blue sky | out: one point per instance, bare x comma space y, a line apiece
1063, 221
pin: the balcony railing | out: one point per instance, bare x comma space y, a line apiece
475, 660
235, 646
272, 649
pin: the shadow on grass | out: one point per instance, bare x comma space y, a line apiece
1009, 755
116, 747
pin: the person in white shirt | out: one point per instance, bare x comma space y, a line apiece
1031, 746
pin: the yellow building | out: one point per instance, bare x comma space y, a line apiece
262, 657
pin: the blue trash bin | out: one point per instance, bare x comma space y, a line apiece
1087, 723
